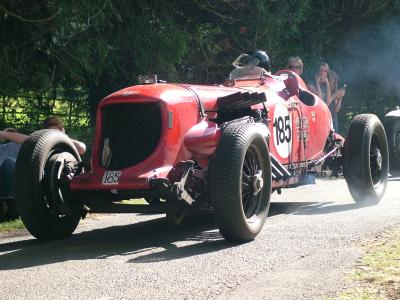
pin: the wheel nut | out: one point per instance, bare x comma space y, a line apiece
378, 157
258, 182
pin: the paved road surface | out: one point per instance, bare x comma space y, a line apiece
311, 238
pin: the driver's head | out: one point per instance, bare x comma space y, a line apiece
260, 59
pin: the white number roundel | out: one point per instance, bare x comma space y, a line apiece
282, 130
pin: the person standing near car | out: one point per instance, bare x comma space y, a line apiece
295, 64
322, 85
337, 96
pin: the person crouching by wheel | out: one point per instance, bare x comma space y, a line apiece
54, 122
8, 157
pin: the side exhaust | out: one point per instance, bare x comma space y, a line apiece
279, 172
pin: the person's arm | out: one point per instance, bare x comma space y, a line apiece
81, 147
318, 87
329, 98
339, 95
320, 81
15, 137
338, 105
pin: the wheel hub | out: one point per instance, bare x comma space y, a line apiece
258, 182
378, 159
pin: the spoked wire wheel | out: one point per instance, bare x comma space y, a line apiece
239, 181
40, 200
252, 183
366, 159
376, 162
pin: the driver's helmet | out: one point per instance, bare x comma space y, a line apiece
256, 58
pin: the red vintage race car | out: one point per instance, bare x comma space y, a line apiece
184, 147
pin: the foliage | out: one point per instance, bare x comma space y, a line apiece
99, 46
27, 112
11, 225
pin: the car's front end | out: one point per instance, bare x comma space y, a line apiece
139, 136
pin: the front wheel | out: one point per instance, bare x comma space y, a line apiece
366, 159
43, 202
239, 181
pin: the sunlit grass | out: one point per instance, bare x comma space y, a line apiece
377, 276
362, 293
134, 201
12, 225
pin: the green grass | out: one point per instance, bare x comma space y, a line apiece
134, 201
11, 225
377, 276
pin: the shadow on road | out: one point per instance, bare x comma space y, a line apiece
312, 208
144, 240
394, 179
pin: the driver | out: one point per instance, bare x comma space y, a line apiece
255, 58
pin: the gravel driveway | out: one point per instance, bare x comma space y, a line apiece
310, 240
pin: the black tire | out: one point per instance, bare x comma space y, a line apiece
153, 200
38, 167
393, 137
241, 154
366, 159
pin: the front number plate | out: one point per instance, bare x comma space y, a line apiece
111, 177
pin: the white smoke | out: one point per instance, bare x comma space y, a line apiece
372, 56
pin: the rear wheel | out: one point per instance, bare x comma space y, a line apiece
239, 181
393, 137
366, 159
44, 204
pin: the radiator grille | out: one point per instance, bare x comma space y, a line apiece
130, 134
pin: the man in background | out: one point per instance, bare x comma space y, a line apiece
295, 64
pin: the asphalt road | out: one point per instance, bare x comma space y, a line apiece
312, 237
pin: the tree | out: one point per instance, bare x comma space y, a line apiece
98, 46
101, 46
